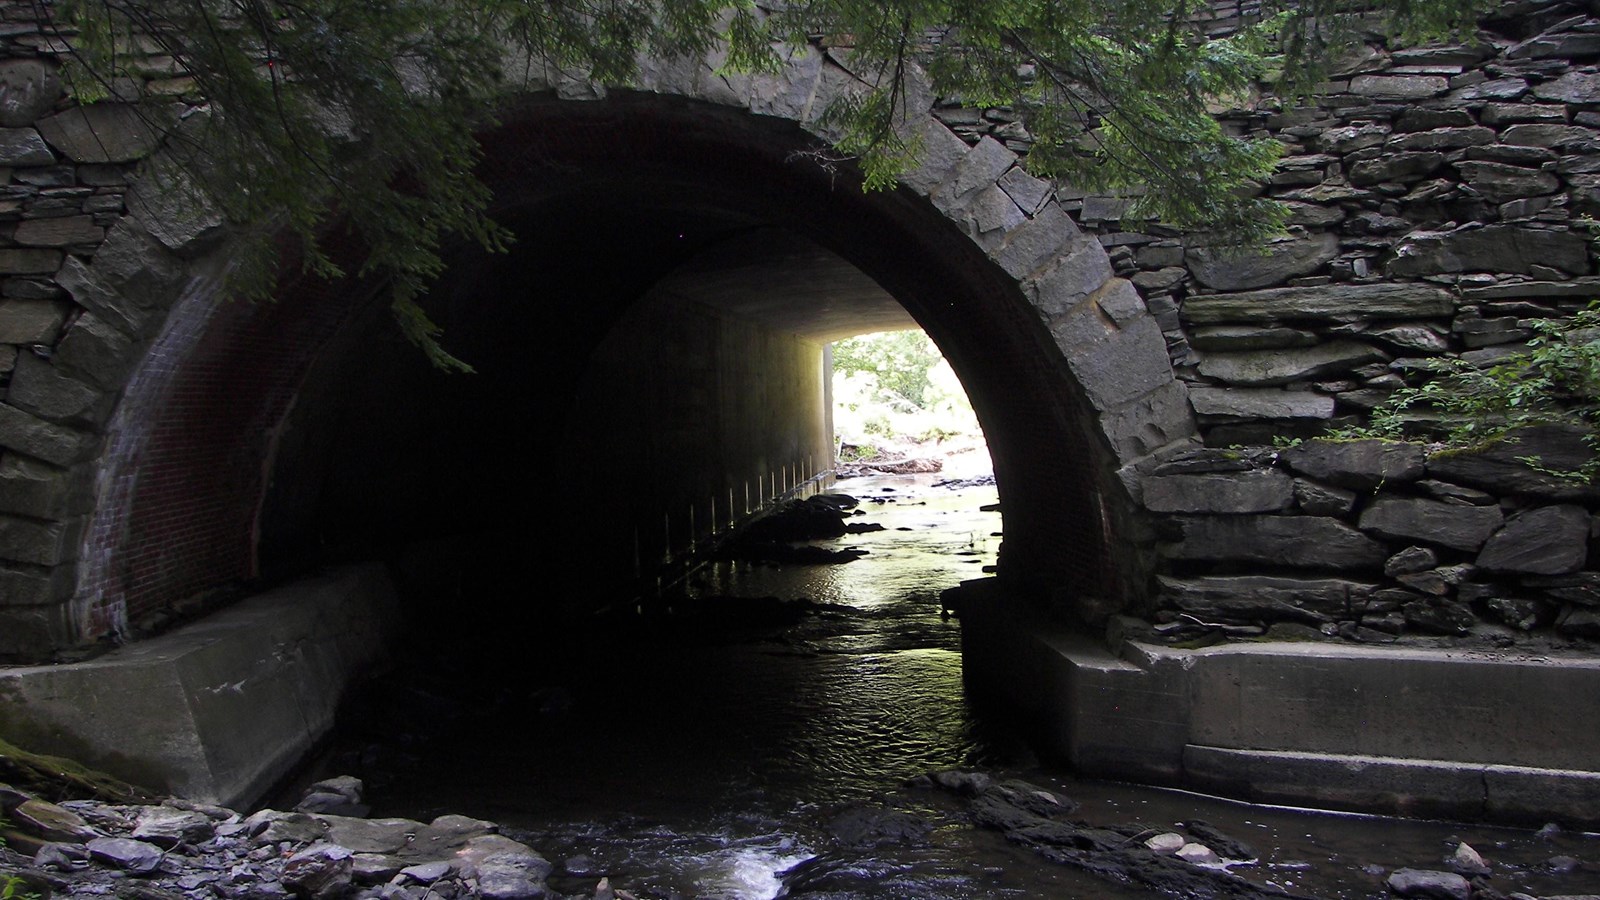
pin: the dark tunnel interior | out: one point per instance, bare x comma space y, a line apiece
642, 355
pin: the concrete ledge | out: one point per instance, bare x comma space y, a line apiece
1407, 731
220, 709
1412, 787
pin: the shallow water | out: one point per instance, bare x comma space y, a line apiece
702, 753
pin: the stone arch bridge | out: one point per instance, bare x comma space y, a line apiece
168, 449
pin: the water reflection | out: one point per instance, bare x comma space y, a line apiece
703, 755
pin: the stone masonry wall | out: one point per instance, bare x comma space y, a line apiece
1441, 199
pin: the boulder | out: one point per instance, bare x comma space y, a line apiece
1249, 337
1233, 270
864, 826
1492, 248
1573, 87
321, 871
1261, 598
1260, 490
1498, 182
506, 870
1358, 465
1455, 493
50, 822
1444, 138
1500, 467
1410, 561
270, 826
24, 147
1415, 519
1260, 368
102, 133
1316, 499
1306, 542
384, 836
29, 88
135, 857
1517, 613
1260, 403
168, 827
1429, 885
1550, 540
1467, 861
1396, 167
1399, 87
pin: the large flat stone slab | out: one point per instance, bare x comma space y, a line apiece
1329, 302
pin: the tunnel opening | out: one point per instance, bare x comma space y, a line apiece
651, 370
898, 407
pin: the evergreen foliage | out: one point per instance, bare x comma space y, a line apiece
334, 120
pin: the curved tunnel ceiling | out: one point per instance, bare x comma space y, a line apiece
788, 284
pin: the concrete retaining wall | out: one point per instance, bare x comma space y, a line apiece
1505, 737
220, 709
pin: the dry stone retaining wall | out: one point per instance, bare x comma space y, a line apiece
1441, 199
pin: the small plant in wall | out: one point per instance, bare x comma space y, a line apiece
1555, 380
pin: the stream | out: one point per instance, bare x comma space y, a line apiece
711, 750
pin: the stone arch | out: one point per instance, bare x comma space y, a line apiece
143, 440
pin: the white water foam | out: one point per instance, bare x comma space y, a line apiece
746, 873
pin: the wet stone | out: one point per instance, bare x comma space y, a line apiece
866, 826
1429, 885
319, 872
1197, 854
129, 855
427, 873
51, 822
167, 827
273, 827
1467, 861
1167, 843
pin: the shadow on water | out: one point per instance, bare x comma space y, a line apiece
709, 750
